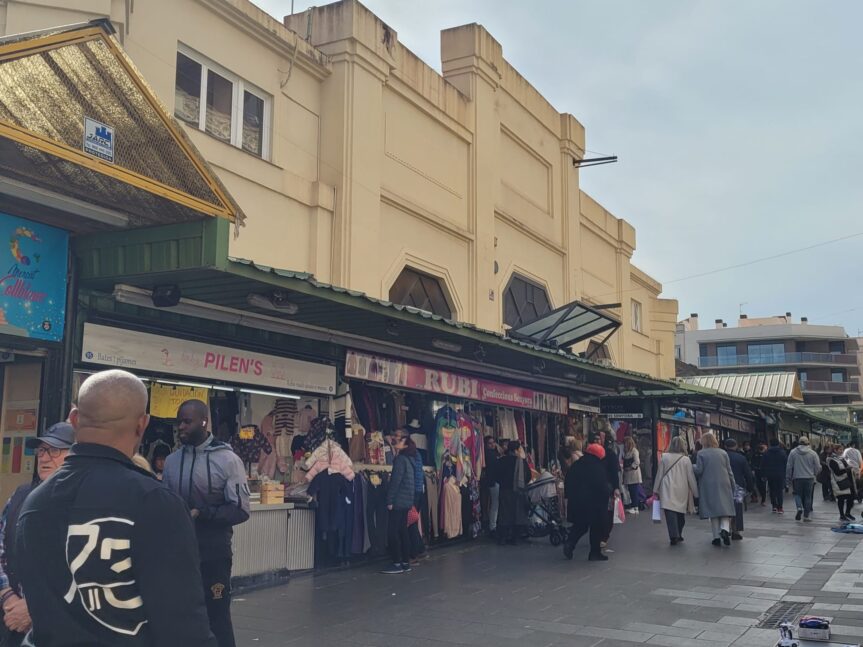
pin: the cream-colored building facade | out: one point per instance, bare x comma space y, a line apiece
353, 159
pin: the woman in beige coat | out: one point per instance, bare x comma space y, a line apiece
676, 488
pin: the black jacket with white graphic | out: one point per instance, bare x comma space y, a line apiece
108, 557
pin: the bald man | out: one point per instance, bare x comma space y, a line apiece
108, 555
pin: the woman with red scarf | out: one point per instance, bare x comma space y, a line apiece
587, 492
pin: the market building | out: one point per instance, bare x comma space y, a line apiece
361, 165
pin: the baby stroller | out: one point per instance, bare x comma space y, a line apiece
544, 518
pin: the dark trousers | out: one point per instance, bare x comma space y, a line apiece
675, 521
608, 525
827, 489
398, 536
761, 485
593, 522
635, 496
216, 576
845, 503
803, 489
777, 490
376, 519
737, 521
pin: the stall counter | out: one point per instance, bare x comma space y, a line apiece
277, 538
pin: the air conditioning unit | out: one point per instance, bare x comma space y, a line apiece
6, 356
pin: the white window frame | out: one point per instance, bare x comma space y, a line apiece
240, 87
637, 316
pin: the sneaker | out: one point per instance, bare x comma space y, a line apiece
717, 542
597, 558
603, 544
726, 537
843, 518
851, 517
631, 511
674, 542
807, 519
406, 568
395, 569
780, 511
415, 562
736, 536
799, 515
775, 510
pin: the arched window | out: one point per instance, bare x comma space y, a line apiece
523, 301
413, 288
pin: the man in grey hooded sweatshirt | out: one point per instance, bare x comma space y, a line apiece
801, 470
211, 479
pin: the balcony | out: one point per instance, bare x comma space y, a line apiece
779, 359
844, 388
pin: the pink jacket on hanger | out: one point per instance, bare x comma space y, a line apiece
329, 456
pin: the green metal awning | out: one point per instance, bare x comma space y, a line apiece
194, 257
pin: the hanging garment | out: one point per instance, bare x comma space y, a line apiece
330, 457
506, 421
248, 443
305, 418
520, 429
285, 417
272, 462
452, 523
317, 433
446, 424
357, 447
541, 436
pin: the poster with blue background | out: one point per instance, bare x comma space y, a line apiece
33, 265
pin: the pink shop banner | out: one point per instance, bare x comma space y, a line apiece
394, 372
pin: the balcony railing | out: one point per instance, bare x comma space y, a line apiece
816, 386
778, 359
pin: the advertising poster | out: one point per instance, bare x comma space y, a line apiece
33, 266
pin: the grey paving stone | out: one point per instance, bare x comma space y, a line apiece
680, 632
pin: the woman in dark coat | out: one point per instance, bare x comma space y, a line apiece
400, 499
587, 492
512, 475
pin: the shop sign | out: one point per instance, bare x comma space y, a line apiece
98, 139
165, 399
33, 284
138, 351
586, 408
736, 424
624, 416
423, 378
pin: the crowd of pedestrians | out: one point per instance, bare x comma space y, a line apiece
716, 482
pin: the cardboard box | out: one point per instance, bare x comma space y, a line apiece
813, 634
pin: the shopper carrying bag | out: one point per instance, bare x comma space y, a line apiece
675, 489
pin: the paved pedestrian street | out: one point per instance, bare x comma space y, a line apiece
693, 595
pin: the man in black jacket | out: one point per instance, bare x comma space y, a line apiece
107, 555
743, 478
587, 491
773, 464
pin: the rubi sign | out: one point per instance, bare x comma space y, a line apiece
433, 380
138, 351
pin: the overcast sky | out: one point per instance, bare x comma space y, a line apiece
738, 125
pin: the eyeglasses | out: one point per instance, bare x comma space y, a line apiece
53, 452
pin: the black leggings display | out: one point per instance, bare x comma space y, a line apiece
398, 536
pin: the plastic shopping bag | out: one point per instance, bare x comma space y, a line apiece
619, 512
657, 511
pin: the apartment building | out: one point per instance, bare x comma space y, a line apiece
824, 358
358, 163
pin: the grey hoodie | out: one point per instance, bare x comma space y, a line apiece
803, 463
210, 478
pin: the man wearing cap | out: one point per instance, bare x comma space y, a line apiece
800, 472
50, 449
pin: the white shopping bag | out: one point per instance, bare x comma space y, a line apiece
657, 511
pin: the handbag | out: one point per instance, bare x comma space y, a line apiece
656, 514
413, 517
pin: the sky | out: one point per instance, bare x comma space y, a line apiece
738, 127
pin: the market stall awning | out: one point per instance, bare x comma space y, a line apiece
193, 258
78, 122
566, 326
756, 386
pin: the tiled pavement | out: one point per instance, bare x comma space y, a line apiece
692, 595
